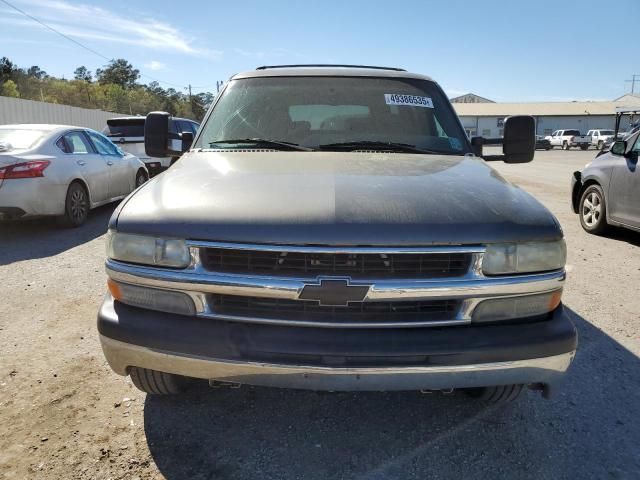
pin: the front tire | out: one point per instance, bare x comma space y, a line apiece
141, 177
593, 210
154, 382
76, 207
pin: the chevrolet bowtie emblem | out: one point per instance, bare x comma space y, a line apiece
334, 293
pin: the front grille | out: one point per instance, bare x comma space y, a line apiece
355, 265
357, 312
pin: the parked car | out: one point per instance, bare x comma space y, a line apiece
63, 171
128, 133
332, 228
607, 191
569, 138
542, 143
600, 137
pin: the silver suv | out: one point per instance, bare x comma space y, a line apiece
332, 228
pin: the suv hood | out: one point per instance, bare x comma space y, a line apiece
334, 198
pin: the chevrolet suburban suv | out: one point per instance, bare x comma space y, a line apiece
332, 228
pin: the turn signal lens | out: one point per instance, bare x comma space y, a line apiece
511, 308
152, 298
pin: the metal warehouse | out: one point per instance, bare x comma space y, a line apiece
486, 118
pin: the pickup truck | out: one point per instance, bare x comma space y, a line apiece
600, 137
332, 228
569, 138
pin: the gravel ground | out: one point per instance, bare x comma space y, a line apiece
66, 415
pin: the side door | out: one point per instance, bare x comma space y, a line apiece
121, 176
624, 188
84, 160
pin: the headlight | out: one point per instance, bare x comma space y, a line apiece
161, 252
503, 258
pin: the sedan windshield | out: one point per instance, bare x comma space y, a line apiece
18, 138
335, 113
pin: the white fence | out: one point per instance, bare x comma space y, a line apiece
17, 110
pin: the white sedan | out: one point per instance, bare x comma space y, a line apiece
63, 171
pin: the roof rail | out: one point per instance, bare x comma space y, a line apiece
323, 65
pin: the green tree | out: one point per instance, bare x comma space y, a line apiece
9, 89
36, 72
83, 74
7, 69
118, 72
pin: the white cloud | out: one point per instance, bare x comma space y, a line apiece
155, 65
81, 21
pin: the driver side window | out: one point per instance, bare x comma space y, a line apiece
636, 146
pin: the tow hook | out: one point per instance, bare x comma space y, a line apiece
223, 384
443, 391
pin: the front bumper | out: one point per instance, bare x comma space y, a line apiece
338, 360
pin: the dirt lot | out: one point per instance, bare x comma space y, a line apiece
66, 415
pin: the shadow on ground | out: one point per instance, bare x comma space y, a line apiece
44, 237
623, 235
590, 429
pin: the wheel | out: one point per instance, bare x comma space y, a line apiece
76, 207
593, 211
584, 147
496, 395
600, 145
565, 146
157, 383
141, 177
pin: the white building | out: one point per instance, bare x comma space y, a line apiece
486, 119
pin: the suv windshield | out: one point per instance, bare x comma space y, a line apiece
335, 113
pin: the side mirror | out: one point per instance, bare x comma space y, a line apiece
187, 140
619, 147
156, 134
519, 139
518, 143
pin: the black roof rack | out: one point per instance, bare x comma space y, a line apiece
324, 65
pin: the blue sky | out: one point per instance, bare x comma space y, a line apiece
504, 50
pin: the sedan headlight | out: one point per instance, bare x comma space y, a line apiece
505, 258
161, 252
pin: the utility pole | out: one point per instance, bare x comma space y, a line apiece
219, 84
189, 93
634, 78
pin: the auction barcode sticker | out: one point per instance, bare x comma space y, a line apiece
411, 100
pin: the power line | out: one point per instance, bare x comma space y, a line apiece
81, 45
55, 31
634, 78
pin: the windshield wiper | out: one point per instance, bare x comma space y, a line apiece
264, 142
378, 145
